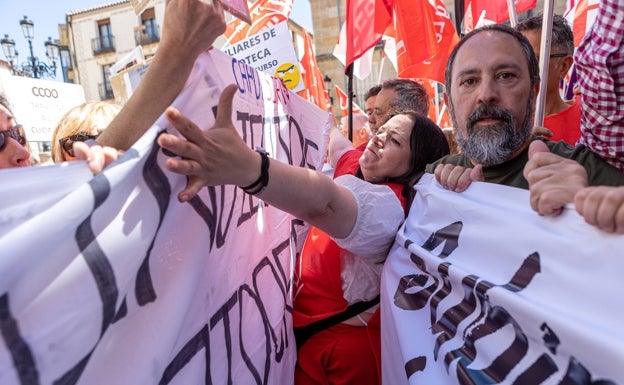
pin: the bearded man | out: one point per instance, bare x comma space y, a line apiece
491, 100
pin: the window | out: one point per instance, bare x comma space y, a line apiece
106, 89
148, 31
105, 34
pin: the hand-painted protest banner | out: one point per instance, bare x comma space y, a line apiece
479, 289
271, 50
110, 280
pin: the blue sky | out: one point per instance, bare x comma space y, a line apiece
46, 15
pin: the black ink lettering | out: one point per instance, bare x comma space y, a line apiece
94, 255
267, 331
21, 355
550, 338
407, 295
223, 316
538, 372
122, 312
577, 374
199, 341
449, 235
158, 184
415, 365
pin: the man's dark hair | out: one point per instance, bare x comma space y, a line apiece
562, 38
410, 96
373, 91
524, 43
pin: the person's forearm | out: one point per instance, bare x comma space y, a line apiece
312, 197
148, 102
190, 27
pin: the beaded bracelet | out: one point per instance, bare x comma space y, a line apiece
263, 180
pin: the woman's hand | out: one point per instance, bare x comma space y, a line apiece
215, 157
97, 157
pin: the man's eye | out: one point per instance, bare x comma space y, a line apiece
506, 76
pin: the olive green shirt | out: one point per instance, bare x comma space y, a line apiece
509, 173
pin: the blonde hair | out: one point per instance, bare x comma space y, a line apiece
82, 118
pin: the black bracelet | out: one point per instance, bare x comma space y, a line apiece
263, 180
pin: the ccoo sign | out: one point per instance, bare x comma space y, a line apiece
45, 92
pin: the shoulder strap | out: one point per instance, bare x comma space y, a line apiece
303, 333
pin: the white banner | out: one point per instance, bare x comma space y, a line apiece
479, 289
110, 280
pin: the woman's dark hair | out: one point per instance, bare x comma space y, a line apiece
427, 144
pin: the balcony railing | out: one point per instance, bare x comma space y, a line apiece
106, 91
103, 44
142, 38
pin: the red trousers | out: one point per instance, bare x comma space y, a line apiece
342, 354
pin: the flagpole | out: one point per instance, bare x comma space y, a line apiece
513, 16
543, 62
349, 73
459, 15
381, 64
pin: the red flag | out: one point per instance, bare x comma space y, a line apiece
423, 52
581, 15
495, 10
315, 91
343, 98
264, 14
361, 35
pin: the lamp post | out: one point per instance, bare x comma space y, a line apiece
327, 81
33, 67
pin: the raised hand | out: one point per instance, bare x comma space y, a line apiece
215, 157
192, 25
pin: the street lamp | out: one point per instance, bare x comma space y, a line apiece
33, 67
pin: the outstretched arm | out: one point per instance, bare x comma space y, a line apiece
190, 27
219, 156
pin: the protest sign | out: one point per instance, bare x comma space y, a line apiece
271, 50
479, 289
111, 280
39, 104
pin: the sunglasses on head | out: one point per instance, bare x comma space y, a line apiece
14, 132
67, 143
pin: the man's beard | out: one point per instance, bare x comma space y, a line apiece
495, 143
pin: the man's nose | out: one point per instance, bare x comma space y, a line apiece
488, 92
